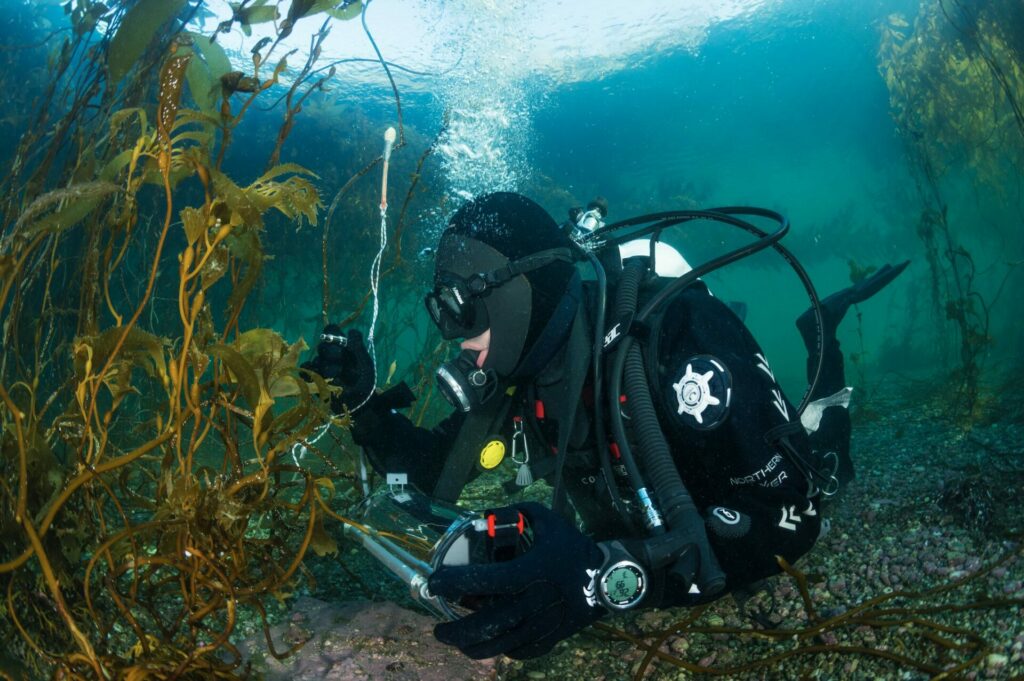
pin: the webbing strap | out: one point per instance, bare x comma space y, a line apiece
461, 461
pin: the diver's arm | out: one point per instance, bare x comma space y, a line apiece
392, 442
748, 532
395, 445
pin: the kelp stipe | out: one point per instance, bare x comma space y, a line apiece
900, 631
955, 80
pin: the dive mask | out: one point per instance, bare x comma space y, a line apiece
464, 384
585, 222
456, 306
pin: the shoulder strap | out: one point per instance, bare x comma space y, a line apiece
462, 458
577, 363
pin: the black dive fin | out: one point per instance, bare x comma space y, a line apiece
834, 307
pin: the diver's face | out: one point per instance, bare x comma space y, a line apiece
479, 344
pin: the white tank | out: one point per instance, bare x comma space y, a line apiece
668, 262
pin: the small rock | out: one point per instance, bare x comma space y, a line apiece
996, 661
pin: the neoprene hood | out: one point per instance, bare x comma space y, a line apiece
486, 234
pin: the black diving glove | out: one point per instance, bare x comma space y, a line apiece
343, 360
532, 601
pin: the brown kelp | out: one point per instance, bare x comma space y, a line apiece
955, 79
897, 632
147, 495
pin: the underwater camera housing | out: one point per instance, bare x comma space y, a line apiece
412, 535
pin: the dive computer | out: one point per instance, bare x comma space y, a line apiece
622, 581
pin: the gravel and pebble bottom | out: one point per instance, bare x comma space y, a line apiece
890, 532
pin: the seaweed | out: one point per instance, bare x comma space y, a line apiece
954, 83
148, 499
903, 630
858, 273
137, 29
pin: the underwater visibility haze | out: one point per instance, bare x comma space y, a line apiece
194, 189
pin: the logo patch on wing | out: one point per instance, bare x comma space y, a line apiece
703, 392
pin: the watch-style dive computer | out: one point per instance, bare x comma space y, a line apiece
622, 581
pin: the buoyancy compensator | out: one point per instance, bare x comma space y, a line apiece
677, 539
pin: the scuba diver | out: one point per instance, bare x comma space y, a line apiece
680, 470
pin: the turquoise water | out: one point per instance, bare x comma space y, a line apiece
778, 104
656, 106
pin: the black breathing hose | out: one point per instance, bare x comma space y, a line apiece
628, 293
626, 299
686, 544
724, 215
600, 435
684, 521
658, 464
697, 564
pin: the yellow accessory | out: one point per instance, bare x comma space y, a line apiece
492, 454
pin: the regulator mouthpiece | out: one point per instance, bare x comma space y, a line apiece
389, 141
589, 221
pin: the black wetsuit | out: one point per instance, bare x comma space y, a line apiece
756, 501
